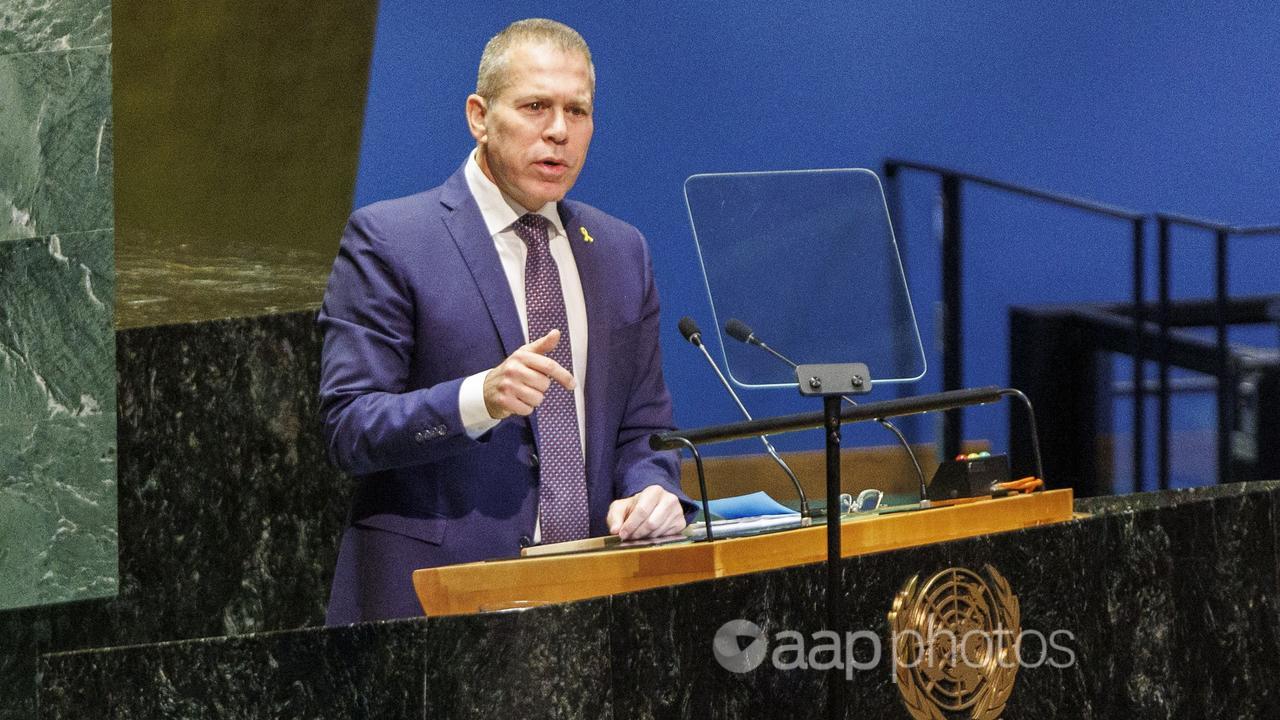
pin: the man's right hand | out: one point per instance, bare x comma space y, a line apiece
517, 386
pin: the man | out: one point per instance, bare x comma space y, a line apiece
491, 370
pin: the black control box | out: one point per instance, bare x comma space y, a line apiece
968, 476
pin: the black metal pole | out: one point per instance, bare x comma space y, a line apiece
1139, 359
1226, 385
702, 483
952, 315
1162, 438
893, 200
835, 595
813, 420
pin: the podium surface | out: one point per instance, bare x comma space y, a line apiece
525, 582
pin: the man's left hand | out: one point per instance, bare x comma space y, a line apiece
652, 512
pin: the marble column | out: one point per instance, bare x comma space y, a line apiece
58, 535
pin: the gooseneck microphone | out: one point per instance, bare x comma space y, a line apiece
742, 332
689, 329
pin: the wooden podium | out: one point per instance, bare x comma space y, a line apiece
504, 584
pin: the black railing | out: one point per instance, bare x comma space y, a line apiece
952, 182
1064, 370
1225, 368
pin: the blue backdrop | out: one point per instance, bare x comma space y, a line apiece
1163, 106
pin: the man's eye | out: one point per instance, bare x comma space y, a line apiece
536, 106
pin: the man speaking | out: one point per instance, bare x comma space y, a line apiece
491, 371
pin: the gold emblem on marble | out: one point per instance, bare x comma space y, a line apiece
955, 642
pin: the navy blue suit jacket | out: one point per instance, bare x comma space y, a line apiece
418, 301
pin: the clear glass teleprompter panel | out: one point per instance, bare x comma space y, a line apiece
807, 260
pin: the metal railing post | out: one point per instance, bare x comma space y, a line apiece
1162, 437
1139, 357
952, 320
1226, 384
893, 199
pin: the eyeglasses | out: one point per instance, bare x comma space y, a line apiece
867, 501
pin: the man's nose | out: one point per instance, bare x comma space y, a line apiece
557, 129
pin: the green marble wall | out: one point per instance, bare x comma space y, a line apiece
58, 534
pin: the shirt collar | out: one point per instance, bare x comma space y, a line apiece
498, 210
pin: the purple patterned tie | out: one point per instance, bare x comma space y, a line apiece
562, 494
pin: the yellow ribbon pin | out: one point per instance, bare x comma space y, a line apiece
586, 236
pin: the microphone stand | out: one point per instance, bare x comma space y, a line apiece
702, 483
855, 375
805, 515
689, 329
740, 331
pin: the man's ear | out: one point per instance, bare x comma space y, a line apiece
477, 110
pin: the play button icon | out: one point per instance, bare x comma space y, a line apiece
740, 646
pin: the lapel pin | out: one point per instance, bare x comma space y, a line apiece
586, 236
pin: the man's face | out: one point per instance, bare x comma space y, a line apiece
533, 136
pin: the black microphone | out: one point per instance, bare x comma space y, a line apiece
739, 331
742, 332
689, 329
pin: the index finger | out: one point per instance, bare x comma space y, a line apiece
617, 513
551, 369
546, 343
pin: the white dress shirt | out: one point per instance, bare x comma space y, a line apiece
500, 213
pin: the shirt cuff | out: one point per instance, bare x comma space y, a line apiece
475, 416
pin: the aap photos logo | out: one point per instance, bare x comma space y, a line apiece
740, 646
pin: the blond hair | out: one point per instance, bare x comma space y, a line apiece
492, 77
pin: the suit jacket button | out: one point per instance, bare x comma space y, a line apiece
525, 541
418, 437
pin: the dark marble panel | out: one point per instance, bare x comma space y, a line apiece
362, 671
548, 662
27, 633
45, 25
57, 422
1168, 613
1142, 606
664, 662
662, 639
1168, 498
230, 513
55, 143
1060, 585
1226, 610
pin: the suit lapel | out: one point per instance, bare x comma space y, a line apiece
467, 228
591, 272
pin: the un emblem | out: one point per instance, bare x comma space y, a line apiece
955, 644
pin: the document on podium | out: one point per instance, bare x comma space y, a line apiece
742, 506
733, 516
742, 515
739, 527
